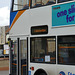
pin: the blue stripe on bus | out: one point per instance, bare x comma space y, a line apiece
12, 16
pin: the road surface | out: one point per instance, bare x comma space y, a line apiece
4, 72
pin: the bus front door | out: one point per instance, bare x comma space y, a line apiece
18, 56
24, 56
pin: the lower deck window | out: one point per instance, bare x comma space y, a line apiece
66, 50
43, 50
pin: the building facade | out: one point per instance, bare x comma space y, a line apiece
3, 34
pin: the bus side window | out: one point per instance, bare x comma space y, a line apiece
49, 2
60, 1
66, 50
36, 3
43, 48
39, 3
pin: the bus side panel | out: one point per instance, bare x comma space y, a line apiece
41, 16
50, 69
66, 69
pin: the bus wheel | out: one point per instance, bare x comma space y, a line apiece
40, 72
43, 74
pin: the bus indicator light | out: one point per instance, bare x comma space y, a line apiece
60, 74
32, 68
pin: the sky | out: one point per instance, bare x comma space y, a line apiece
5, 12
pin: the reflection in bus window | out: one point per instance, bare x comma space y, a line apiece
66, 49
39, 3
14, 50
23, 48
43, 50
20, 5
14, 56
49, 2
59, 1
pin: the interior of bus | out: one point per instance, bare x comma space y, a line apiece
24, 4
18, 57
46, 46
41, 48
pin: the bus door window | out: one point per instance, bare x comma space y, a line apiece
23, 46
66, 50
20, 5
14, 57
41, 48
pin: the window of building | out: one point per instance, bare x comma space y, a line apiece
20, 4
39, 3
66, 50
43, 50
1, 50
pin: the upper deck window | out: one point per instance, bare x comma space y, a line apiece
39, 3
20, 4
60, 1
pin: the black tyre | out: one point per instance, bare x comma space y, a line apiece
40, 72
43, 74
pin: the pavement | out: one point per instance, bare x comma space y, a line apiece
4, 72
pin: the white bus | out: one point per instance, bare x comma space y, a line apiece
42, 37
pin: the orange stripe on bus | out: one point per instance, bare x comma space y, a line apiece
14, 64
17, 16
22, 68
24, 65
68, 47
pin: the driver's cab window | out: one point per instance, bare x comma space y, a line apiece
20, 4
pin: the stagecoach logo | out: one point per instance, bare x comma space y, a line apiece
62, 73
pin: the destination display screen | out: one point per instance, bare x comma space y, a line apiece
36, 30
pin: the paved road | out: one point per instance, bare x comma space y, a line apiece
4, 72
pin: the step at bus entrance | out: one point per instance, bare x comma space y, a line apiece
18, 56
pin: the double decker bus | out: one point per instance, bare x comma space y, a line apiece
42, 37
